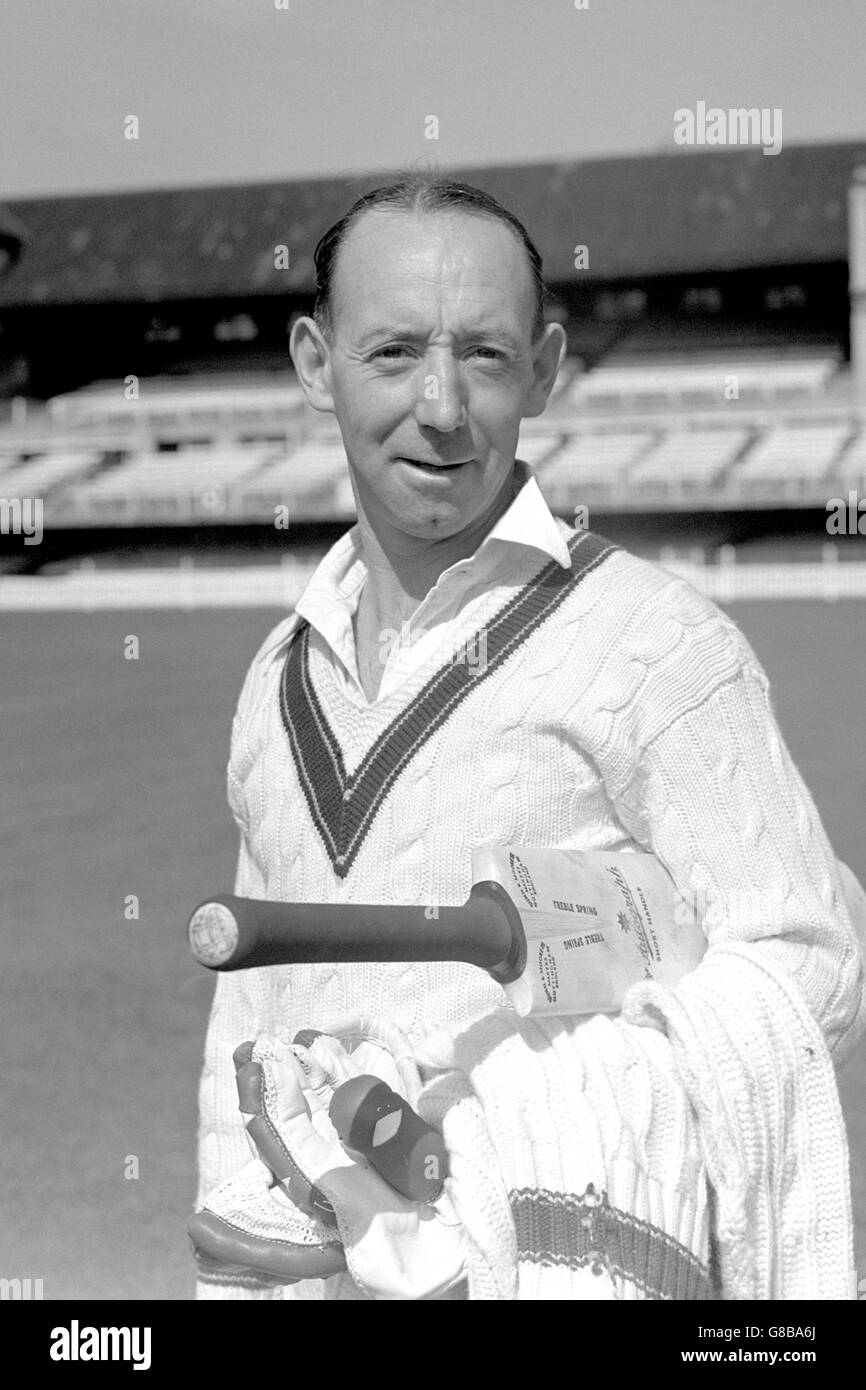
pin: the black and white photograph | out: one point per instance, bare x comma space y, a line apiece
432, 666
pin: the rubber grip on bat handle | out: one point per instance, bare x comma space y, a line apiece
375, 1121
231, 933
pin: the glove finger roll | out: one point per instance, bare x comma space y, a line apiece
241, 1226
394, 1247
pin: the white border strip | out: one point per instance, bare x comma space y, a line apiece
89, 590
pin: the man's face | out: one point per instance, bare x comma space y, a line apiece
431, 362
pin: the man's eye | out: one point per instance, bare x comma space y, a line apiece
392, 353
489, 351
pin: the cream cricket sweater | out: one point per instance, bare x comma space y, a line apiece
598, 704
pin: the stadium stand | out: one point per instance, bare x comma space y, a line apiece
167, 485
790, 459
307, 480
537, 447
753, 377
235, 454
36, 476
180, 405
591, 466
686, 458
641, 216
707, 336
689, 460
851, 471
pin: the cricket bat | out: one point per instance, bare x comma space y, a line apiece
562, 931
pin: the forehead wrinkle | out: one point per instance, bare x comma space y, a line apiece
426, 274
456, 309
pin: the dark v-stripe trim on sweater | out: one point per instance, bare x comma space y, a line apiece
343, 807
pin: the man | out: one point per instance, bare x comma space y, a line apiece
614, 708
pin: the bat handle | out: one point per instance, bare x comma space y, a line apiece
372, 1119
231, 933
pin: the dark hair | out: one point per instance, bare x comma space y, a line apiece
421, 193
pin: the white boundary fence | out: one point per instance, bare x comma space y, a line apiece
87, 589
730, 580
187, 587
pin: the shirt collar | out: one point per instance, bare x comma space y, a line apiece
341, 573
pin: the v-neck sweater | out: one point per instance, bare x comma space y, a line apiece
615, 708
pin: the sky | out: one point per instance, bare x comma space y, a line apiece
234, 91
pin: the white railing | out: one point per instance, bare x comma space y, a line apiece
730, 580
187, 587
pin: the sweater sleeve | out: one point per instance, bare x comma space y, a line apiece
701, 776
241, 1002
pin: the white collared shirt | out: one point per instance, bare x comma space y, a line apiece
331, 597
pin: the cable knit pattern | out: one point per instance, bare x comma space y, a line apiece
635, 717
757, 1072
575, 1159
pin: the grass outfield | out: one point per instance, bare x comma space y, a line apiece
114, 776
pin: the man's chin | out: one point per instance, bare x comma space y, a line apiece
434, 521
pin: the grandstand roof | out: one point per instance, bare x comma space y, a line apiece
687, 212
11, 240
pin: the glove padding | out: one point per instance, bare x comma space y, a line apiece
249, 1232
306, 1208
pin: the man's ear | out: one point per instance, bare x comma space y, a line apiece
311, 357
547, 356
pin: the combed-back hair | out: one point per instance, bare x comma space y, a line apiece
420, 193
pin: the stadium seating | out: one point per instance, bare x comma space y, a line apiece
688, 460
307, 480
701, 380
169, 485
39, 475
169, 403
641, 430
850, 469
791, 459
535, 448
593, 464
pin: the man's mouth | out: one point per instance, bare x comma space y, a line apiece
435, 467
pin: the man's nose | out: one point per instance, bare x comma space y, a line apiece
441, 398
